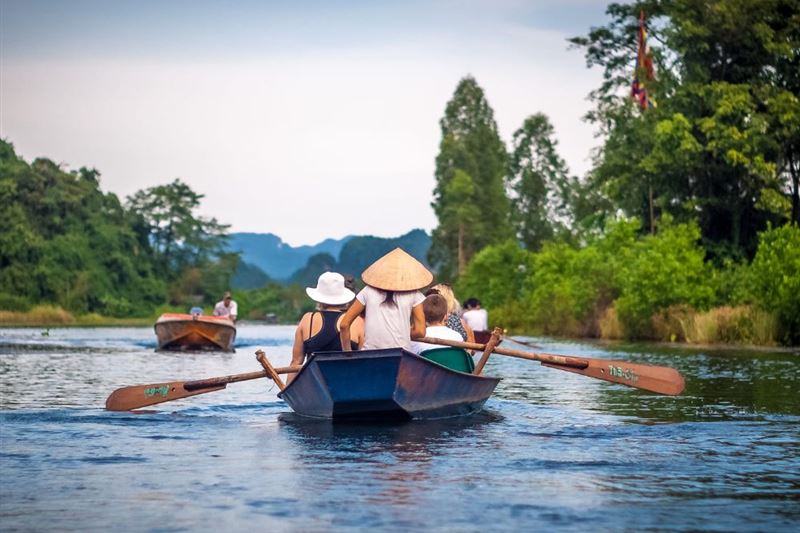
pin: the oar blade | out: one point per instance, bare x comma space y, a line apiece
660, 379
138, 396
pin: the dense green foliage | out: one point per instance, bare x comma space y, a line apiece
569, 290
775, 278
276, 302
497, 274
65, 242
469, 198
540, 185
669, 235
664, 269
177, 238
723, 146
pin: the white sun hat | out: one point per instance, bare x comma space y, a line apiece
330, 290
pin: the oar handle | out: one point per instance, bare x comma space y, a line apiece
235, 378
269, 370
549, 358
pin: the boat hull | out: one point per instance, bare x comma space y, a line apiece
384, 384
187, 332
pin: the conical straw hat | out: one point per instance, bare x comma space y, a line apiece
397, 271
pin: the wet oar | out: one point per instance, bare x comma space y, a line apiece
660, 379
136, 396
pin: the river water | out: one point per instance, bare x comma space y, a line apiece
551, 450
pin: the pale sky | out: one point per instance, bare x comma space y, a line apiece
308, 120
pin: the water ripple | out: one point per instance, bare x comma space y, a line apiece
551, 450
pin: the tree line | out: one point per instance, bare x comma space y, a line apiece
686, 227
700, 188
64, 242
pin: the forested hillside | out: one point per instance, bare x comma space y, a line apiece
360, 252
66, 243
265, 256
275, 258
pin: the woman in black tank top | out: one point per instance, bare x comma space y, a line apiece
327, 338
318, 331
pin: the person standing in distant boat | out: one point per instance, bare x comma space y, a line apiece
227, 307
474, 316
392, 302
319, 331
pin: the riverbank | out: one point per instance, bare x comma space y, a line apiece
735, 326
722, 328
48, 316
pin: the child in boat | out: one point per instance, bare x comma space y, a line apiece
453, 319
318, 331
392, 302
435, 309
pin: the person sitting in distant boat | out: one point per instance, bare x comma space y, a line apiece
318, 331
475, 317
435, 309
227, 307
453, 320
392, 302
196, 311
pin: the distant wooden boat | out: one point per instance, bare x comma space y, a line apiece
195, 332
383, 384
482, 337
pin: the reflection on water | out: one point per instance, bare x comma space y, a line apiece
552, 450
410, 447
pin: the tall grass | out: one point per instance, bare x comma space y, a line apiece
49, 315
721, 325
40, 315
609, 325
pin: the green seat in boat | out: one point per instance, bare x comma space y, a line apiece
453, 358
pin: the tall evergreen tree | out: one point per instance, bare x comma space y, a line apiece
470, 144
540, 184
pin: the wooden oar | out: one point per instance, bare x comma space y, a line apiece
136, 396
525, 343
660, 379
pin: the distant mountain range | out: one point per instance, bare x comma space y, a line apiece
274, 257
266, 257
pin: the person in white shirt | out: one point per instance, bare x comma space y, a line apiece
391, 302
435, 309
475, 317
227, 307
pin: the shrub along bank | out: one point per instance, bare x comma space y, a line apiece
660, 287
